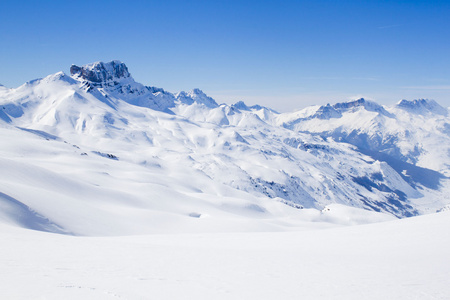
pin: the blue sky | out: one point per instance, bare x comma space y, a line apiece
285, 55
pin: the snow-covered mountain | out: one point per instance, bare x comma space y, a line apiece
413, 132
98, 153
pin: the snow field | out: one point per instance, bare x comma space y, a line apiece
400, 259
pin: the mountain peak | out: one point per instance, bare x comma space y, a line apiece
196, 91
366, 104
200, 97
240, 105
100, 72
350, 104
421, 106
58, 77
326, 112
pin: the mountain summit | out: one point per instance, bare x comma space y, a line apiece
99, 73
422, 106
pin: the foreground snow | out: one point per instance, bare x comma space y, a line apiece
401, 259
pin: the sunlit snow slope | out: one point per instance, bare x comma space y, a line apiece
403, 259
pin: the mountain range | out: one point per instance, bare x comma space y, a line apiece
97, 153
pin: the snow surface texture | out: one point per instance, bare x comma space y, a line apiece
97, 153
403, 259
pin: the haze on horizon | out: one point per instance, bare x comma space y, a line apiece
282, 55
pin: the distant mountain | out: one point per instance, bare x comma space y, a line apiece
99, 138
422, 106
414, 132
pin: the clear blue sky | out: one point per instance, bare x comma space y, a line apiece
283, 54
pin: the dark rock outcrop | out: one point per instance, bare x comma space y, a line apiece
100, 72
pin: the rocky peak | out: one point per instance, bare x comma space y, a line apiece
99, 73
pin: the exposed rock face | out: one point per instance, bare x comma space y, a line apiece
100, 72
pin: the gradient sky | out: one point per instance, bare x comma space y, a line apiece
282, 54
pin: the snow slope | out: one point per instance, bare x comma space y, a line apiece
82, 191
402, 259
